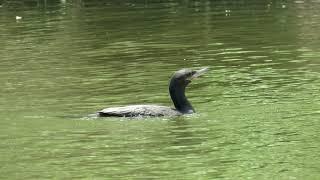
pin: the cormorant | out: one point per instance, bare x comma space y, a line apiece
179, 81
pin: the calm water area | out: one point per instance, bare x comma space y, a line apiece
258, 108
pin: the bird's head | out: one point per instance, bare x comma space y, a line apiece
184, 76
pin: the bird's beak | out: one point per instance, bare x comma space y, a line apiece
199, 73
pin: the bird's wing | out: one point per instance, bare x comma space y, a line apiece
139, 110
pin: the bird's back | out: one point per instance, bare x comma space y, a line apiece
139, 110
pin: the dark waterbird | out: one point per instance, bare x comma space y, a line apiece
178, 83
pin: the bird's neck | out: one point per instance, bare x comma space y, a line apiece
180, 101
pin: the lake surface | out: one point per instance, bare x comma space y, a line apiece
258, 108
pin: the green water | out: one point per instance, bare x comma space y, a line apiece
258, 109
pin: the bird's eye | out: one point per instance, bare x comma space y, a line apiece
192, 73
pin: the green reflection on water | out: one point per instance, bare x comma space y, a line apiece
257, 108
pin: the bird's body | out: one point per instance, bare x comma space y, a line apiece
139, 110
178, 83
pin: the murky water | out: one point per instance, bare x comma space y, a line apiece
258, 109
